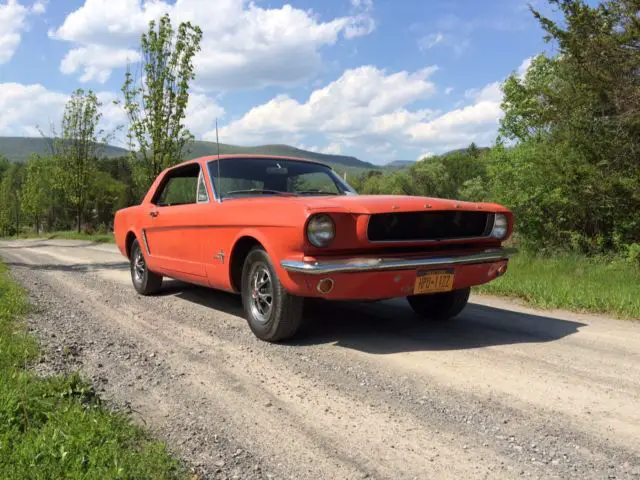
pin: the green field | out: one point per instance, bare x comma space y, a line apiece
572, 282
55, 427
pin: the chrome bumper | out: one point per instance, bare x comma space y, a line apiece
365, 264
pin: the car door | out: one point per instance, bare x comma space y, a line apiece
174, 228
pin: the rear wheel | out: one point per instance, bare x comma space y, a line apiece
440, 306
272, 313
144, 281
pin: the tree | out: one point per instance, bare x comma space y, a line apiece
473, 150
4, 165
532, 104
585, 103
36, 190
10, 208
107, 196
77, 150
156, 105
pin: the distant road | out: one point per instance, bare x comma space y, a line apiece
367, 391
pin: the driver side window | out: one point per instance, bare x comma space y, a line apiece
181, 187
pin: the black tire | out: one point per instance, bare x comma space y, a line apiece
440, 306
282, 319
144, 280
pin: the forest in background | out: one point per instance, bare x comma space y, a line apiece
567, 160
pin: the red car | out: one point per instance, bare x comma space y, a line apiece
277, 230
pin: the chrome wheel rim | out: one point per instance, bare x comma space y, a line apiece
139, 267
261, 293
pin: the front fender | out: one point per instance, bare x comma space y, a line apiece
279, 242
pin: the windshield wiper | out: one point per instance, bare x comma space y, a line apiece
315, 192
260, 191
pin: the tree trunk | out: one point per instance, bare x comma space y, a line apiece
79, 216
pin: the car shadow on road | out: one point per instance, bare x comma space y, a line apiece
392, 327
207, 297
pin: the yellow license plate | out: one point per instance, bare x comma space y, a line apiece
433, 282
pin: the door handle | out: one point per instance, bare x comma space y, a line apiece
153, 213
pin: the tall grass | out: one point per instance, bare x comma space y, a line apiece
572, 282
56, 427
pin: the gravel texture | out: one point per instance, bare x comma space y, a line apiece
367, 391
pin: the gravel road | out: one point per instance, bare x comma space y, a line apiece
368, 391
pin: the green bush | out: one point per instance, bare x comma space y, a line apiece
633, 254
56, 427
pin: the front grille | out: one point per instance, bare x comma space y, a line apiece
420, 226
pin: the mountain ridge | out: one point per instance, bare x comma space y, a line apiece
20, 149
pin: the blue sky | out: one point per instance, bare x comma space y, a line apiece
379, 79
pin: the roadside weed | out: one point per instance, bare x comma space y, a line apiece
56, 427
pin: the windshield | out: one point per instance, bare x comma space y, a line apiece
272, 176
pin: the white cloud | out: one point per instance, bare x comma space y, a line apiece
450, 39
334, 148
490, 93
524, 67
110, 22
473, 123
201, 114
39, 7
362, 100
364, 4
243, 45
370, 109
448, 90
24, 107
424, 156
430, 40
13, 21
359, 26
96, 61
113, 118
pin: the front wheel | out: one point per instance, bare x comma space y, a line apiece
272, 313
440, 306
144, 281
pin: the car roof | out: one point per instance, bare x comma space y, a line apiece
244, 156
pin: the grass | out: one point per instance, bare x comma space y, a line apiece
56, 427
572, 282
68, 235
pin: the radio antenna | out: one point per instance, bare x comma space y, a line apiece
218, 146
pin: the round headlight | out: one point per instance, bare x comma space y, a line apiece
320, 230
500, 226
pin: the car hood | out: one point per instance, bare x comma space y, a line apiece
372, 204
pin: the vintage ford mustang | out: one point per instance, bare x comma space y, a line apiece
277, 230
